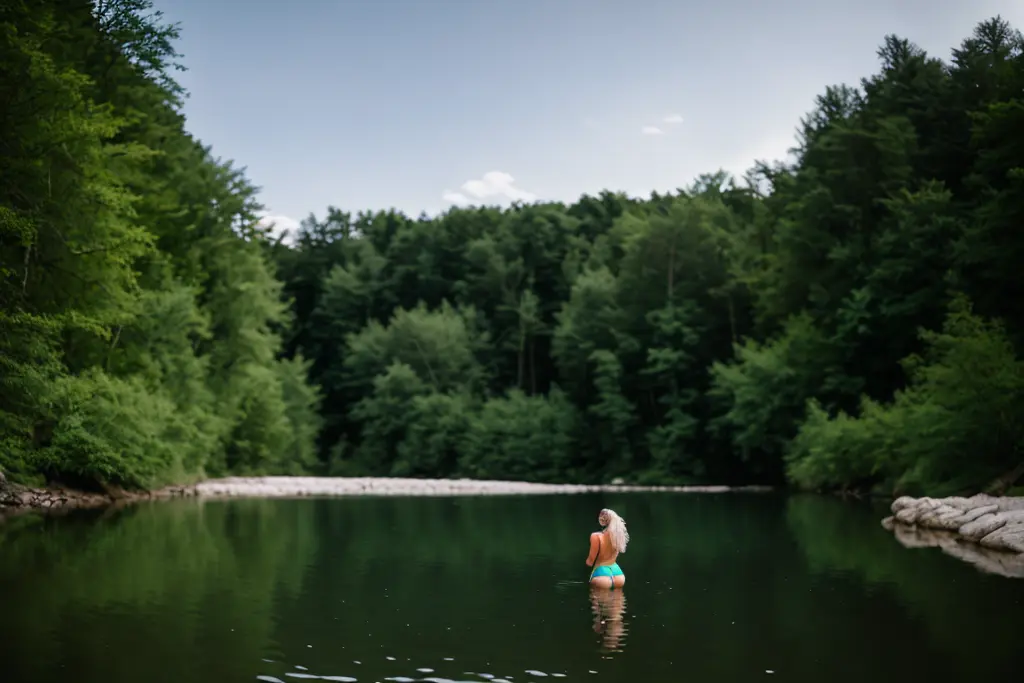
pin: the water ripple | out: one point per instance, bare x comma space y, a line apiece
292, 674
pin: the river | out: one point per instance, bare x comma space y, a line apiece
720, 588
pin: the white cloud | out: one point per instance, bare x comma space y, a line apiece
673, 118
455, 197
493, 185
279, 224
652, 130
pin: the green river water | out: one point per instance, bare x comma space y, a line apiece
720, 588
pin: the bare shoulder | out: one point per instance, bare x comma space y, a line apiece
596, 535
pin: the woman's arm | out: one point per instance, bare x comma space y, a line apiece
594, 547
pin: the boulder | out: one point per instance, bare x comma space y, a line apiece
930, 517
982, 526
971, 515
901, 503
986, 524
1009, 504
986, 531
1009, 537
908, 515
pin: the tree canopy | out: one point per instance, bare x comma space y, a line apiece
140, 315
847, 319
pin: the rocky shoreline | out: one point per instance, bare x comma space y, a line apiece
984, 530
15, 498
19, 498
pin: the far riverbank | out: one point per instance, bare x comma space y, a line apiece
15, 498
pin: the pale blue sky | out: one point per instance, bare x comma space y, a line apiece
371, 104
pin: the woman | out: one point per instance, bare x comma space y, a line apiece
605, 547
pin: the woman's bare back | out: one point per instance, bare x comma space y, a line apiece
606, 552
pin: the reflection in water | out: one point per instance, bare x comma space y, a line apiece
609, 608
940, 594
723, 588
1001, 563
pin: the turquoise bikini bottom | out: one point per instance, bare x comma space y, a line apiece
609, 570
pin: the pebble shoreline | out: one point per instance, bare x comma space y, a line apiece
287, 487
15, 498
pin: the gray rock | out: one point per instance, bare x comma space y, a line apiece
902, 503
954, 523
982, 526
986, 524
929, 518
983, 530
1009, 504
1006, 538
982, 499
908, 515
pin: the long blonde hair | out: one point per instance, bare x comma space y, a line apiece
616, 527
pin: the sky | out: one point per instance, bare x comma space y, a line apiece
422, 104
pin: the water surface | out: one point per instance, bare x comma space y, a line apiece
721, 588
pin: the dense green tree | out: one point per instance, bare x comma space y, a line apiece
848, 319
137, 305
731, 331
957, 423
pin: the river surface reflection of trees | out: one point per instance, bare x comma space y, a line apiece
720, 589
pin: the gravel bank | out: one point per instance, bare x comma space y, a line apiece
290, 487
15, 498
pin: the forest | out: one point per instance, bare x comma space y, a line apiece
843, 320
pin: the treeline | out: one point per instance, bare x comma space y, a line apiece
138, 304
846, 320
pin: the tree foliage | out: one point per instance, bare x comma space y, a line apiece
137, 299
830, 321
847, 319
